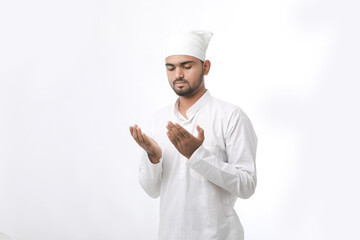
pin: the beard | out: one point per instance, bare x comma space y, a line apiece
187, 90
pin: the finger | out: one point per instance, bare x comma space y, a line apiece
139, 135
169, 125
175, 137
174, 134
134, 133
146, 138
174, 130
132, 128
182, 130
171, 139
201, 134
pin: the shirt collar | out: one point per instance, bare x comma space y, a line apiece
190, 113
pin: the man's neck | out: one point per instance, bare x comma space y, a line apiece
185, 102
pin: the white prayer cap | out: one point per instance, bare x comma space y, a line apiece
193, 43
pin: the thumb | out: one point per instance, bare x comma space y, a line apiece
200, 133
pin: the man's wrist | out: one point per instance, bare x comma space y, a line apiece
155, 159
189, 156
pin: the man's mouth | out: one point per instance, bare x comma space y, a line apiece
181, 82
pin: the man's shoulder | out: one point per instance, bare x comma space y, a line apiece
227, 108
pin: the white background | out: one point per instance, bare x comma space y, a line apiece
74, 74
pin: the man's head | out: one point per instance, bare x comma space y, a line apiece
186, 74
185, 61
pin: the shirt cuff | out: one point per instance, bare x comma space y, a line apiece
196, 161
155, 167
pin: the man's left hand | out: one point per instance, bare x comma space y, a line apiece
184, 141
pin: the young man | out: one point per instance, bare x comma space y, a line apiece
201, 153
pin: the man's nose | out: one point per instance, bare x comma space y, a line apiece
179, 73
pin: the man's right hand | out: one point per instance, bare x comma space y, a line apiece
147, 143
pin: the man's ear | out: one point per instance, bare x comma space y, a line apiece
207, 65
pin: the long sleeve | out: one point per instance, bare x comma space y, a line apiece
150, 173
237, 173
150, 176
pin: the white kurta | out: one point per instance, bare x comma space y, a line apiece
197, 195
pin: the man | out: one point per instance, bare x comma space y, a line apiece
201, 153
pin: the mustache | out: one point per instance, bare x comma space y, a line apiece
180, 80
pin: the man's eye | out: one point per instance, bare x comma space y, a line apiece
187, 67
171, 69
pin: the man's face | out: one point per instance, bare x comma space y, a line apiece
185, 74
